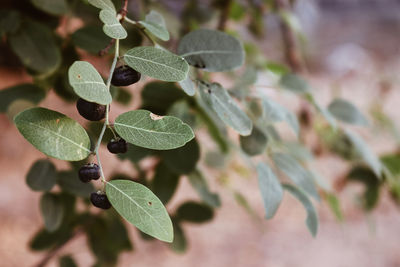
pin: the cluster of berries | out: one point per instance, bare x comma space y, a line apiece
122, 76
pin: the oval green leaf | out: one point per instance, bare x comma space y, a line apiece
102, 4
112, 27
143, 128
271, 189
90, 38
139, 206
194, 212
29, 92
211, 50
53, 7
88, 84
347, 112
295, 172
42, 175
35, 46
70, 183
225, 107
199, 184
52, 211
155, 24
188, 86
255, 143
54, 134
157, 63
312, 217
164, 183
182, 160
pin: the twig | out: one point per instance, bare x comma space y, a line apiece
291, 53
223, 18
107, 48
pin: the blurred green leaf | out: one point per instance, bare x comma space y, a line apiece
255, 143
103, 4
26, 91
53, 7
194, 212
334, 204
70, 183
179, 244
182, 160
198, 182
52, 211
42, 175
10, 21
90, 38
164, 183
294, 83
347, 112
67, 261
271, 189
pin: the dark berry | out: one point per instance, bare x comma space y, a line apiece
90, 171
124, 76
118, 146
99, 199
90, 110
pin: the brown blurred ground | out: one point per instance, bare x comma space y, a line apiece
234, 238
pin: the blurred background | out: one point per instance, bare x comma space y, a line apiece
346, 48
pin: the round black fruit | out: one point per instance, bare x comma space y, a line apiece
90, 110
124, 76
88, 172
117, 146
99, 199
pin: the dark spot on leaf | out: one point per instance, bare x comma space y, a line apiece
150, 203
79, 76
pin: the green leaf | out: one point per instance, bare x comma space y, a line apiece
164, 183
136, 153
112, 27
54, 134
275, 112
44, 240
53, 7
67, 261
155, 24
334, 204
158, 97
242, 201
102, 4
312, 217
90, 38
364, 152
35, 46
52, 211
182, 160
27, 91
180, 243
271, 189
157, 63
139, 206
142, 128
347, 112
194, 212
10, 21
88, 84
295, 172
218, 99
198, 182
255, 143
70, 183
294, 83
42, 175
324, 112
211, 50
188, 86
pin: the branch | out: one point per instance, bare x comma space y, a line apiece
223, 18
289, 40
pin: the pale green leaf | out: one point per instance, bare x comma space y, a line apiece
180, 243
324, 112
53, 7
35, 46
347, 112
188, 86
294, 83
52, 211
255, 143
112, 27
139, 206
274, 112
218, 99
142, 128
364, 152
42, 175
157, 63
54, 134
88, 84
70, 183
27, 91
103, 4
211, 50
198, 182
295, 172
155, 24
271, 189
312, 217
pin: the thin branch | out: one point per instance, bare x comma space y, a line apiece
223, 18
